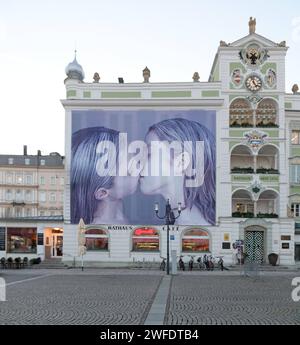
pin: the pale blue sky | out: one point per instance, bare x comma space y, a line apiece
116, 38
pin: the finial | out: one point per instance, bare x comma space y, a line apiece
96, 77
282, 44
146, 74
223, 44
196, 77
252, 25
295, 89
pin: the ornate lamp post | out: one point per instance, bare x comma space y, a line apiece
170, 220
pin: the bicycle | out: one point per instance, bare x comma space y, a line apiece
162, 266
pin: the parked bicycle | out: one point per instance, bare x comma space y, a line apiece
181, 264
162, 266
191, 263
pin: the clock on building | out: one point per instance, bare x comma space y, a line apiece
254, 83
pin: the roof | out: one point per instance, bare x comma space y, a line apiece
52, 160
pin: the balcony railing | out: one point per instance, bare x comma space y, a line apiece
249, 170
250, 125
267, 171
237, 170
242, 215
267, 215
267, 125
251, 215
241, 125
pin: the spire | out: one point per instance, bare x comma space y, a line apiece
74, 70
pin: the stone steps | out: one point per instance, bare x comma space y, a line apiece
50, 264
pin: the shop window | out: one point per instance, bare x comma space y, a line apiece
145, 240
21, 240
96, 240
195, 240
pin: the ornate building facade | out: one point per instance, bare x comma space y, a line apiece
257, 159
258, 164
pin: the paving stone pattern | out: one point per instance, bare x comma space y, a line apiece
75, 299
232, 300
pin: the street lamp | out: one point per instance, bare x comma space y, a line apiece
170, 220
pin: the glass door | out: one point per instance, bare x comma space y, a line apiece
57, 245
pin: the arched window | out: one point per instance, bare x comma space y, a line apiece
266, 113
96, 239
145, 240
241, 113
196, 241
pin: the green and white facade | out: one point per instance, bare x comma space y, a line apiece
258, 153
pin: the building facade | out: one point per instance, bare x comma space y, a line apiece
257, 167
31, 205
257, 155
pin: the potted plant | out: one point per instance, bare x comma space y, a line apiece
273, 257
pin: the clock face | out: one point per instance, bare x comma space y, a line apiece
253, 83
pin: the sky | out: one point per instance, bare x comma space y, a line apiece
116, 38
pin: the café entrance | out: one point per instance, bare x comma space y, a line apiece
53, 243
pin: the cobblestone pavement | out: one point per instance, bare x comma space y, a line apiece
123, 297
79, 299
232, 300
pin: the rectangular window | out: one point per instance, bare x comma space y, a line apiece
10, 161
28, 179
9, 178
285, 238
42, 196
285, 246
295, 210
42, 180
295, 137
28, 212
27, 161
62, 181
62, 197
42, 162
18, 212
21, 240
52, 180
52, 197
42, 213
19, 196
295, 173
8, 195
19, 179
28, 195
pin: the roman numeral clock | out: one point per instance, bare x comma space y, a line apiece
253, 83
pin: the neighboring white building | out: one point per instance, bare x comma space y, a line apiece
31, 205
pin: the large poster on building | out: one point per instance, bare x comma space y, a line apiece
123, 162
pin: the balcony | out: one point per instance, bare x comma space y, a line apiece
266, 162
244, 205
242, 115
